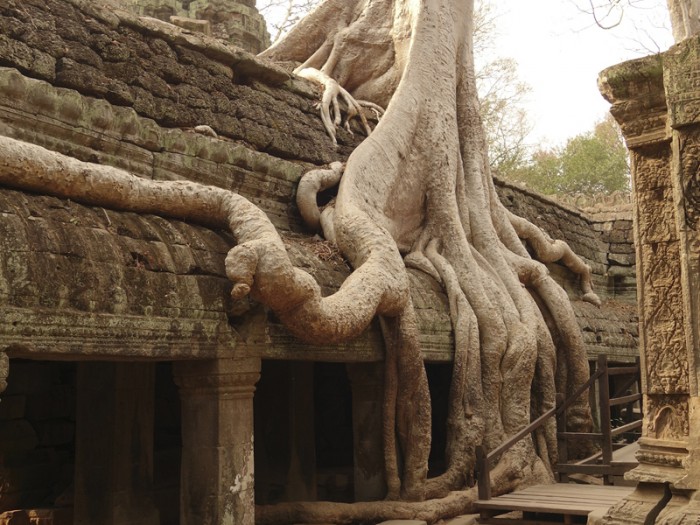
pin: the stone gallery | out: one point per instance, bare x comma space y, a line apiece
223, 304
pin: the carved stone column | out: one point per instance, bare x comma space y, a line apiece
681, 70
114, 444
217, 441
655, 99
367, 383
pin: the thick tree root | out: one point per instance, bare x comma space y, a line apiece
258, 265
549, 250
310, 184
333, 93
423, 178
454, 504
420, 184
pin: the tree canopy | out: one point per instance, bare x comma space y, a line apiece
591, 163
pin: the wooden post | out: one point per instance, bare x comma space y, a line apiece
604, 411
562, 443
484, 476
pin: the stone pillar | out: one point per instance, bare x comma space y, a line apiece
681, 70
367, 383
216, 486
655, 99
114, 444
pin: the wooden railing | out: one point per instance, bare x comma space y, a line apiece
604, 458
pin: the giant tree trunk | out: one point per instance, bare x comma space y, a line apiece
417, 192
420, 187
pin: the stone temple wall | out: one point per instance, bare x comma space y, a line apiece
115, 293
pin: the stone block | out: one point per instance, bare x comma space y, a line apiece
17, 436
60, 516
28, 477
622, 248
14, 517
12, 407
28, 378
55, 432
625, 259
38, 407
200, 26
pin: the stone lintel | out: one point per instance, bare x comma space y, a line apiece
636, 91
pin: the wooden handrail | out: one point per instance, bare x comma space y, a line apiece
601, 374
625, 399
483, 459
580, 435
623, 370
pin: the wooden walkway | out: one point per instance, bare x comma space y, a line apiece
557, 503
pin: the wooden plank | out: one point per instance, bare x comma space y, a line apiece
622, 370
565, 499
593, 497
568, 488
626, 428
571, 490
566, 503
625, 399
544, 507
582, 502
626, 454
512, 521
614, 469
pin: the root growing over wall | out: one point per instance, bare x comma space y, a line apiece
416, 192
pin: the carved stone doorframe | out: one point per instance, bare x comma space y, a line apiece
656, 100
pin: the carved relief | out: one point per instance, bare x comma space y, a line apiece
667, 459
667, 417
665, 346
690, 178
654, 197
667, 362
662, 313
689, 184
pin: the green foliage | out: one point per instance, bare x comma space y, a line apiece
501, 93
592, 163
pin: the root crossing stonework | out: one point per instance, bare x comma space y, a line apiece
415, 193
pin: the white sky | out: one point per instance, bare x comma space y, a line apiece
560, 51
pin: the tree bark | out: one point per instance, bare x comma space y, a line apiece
423, 178
417, 192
